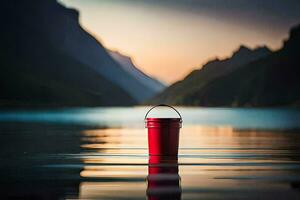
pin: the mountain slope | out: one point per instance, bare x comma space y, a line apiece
64, 31
31, 77
196, 80
126, 63
270, 81
47, 59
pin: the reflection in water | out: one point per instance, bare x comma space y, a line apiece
33, 161
163, 179
114, 165
41, 161
214, 162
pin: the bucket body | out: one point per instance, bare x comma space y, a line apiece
163, 136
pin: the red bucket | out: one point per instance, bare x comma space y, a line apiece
163, 134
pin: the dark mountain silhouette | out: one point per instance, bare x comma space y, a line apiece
153, 85
47, 59
271, 80
196, 80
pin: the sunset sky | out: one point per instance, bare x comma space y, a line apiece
168, 38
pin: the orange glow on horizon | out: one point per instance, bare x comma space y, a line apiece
165, 43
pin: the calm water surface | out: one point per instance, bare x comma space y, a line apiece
101, 153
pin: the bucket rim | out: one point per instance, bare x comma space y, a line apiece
164, 119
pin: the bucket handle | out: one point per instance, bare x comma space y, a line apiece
165, 106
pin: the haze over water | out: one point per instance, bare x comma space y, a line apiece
92, 153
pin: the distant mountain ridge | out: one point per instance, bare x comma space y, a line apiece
271, 79
126, 63
213, 69
47, 59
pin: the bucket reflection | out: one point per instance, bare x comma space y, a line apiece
163, 178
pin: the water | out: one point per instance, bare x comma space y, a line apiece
101, 153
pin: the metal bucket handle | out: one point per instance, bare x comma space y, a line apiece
165, 106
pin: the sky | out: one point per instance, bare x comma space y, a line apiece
167, 39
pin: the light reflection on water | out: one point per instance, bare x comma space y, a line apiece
51, 161
211, 161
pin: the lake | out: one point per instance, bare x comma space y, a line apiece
101, 153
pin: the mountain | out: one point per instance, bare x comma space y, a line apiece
196, 80
153, 85
269, 81
47, 59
